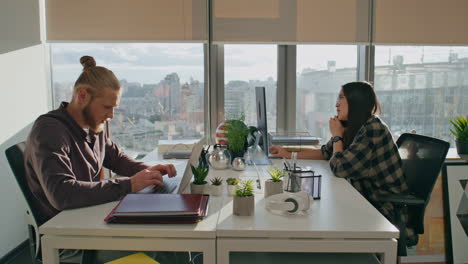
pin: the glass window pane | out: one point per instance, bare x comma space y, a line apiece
246, 67
421, 87
163, 88
321, 71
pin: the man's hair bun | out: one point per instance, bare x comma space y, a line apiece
87, 62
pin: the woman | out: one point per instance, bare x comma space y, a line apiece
361, 149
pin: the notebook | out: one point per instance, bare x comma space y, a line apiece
159, 208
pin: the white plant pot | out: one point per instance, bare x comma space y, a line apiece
272, 188
231, 189
243, 206
216, 190
197, 188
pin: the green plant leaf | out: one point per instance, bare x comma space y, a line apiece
216, 181
460, 125
456, 125
199, 174
232, 181
245, 189
454, 133
276, 174
237, 133
464, 135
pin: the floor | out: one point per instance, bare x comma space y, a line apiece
23, 257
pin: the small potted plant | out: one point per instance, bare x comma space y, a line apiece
274, 185
237, 133
244, 202
216, 186
460, 131
231, 185
199, 182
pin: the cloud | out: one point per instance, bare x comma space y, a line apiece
137, 54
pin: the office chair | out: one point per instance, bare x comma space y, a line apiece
422, 159
15, 158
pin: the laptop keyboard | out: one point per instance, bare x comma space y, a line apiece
169, 186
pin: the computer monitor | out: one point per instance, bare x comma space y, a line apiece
262, 116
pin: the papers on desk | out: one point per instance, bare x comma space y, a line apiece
177, 154
138, 258
159, 208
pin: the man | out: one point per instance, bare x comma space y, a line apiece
67, 150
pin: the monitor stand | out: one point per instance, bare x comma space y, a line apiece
255, 154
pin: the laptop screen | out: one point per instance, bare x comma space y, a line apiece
196, 150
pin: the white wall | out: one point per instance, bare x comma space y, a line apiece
19, 24
23, 97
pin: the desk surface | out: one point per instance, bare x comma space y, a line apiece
453, 155
341, 213
89, 221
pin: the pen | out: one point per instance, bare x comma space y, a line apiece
294, 159
286, 164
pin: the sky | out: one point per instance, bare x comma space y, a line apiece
135, 62
151, 62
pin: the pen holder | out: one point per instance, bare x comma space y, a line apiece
304, 180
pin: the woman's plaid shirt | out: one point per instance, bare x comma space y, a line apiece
372, 164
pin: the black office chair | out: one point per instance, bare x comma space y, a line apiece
15, 158
422, 158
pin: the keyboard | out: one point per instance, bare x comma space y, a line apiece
169, 186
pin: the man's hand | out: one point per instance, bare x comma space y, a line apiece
168, 169
336, 128
277, 151
145, 178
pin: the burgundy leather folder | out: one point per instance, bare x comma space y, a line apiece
159, 208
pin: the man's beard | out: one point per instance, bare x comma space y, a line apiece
93, 125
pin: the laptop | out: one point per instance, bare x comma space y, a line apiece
178, 184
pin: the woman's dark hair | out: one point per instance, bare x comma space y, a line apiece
362, 104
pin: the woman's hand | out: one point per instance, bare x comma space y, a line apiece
336, 128
277, 151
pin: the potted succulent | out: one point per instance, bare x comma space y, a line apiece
460, 131
244, 202
274, 185
199, 182
216, 186
231, 185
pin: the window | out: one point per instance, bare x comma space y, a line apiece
421, 87
163, 88
321, 71
246, 67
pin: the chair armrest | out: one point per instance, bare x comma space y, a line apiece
401, 199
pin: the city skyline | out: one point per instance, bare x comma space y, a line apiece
149, 62
172, 107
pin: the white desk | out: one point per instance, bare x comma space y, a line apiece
85, 229
342, 221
